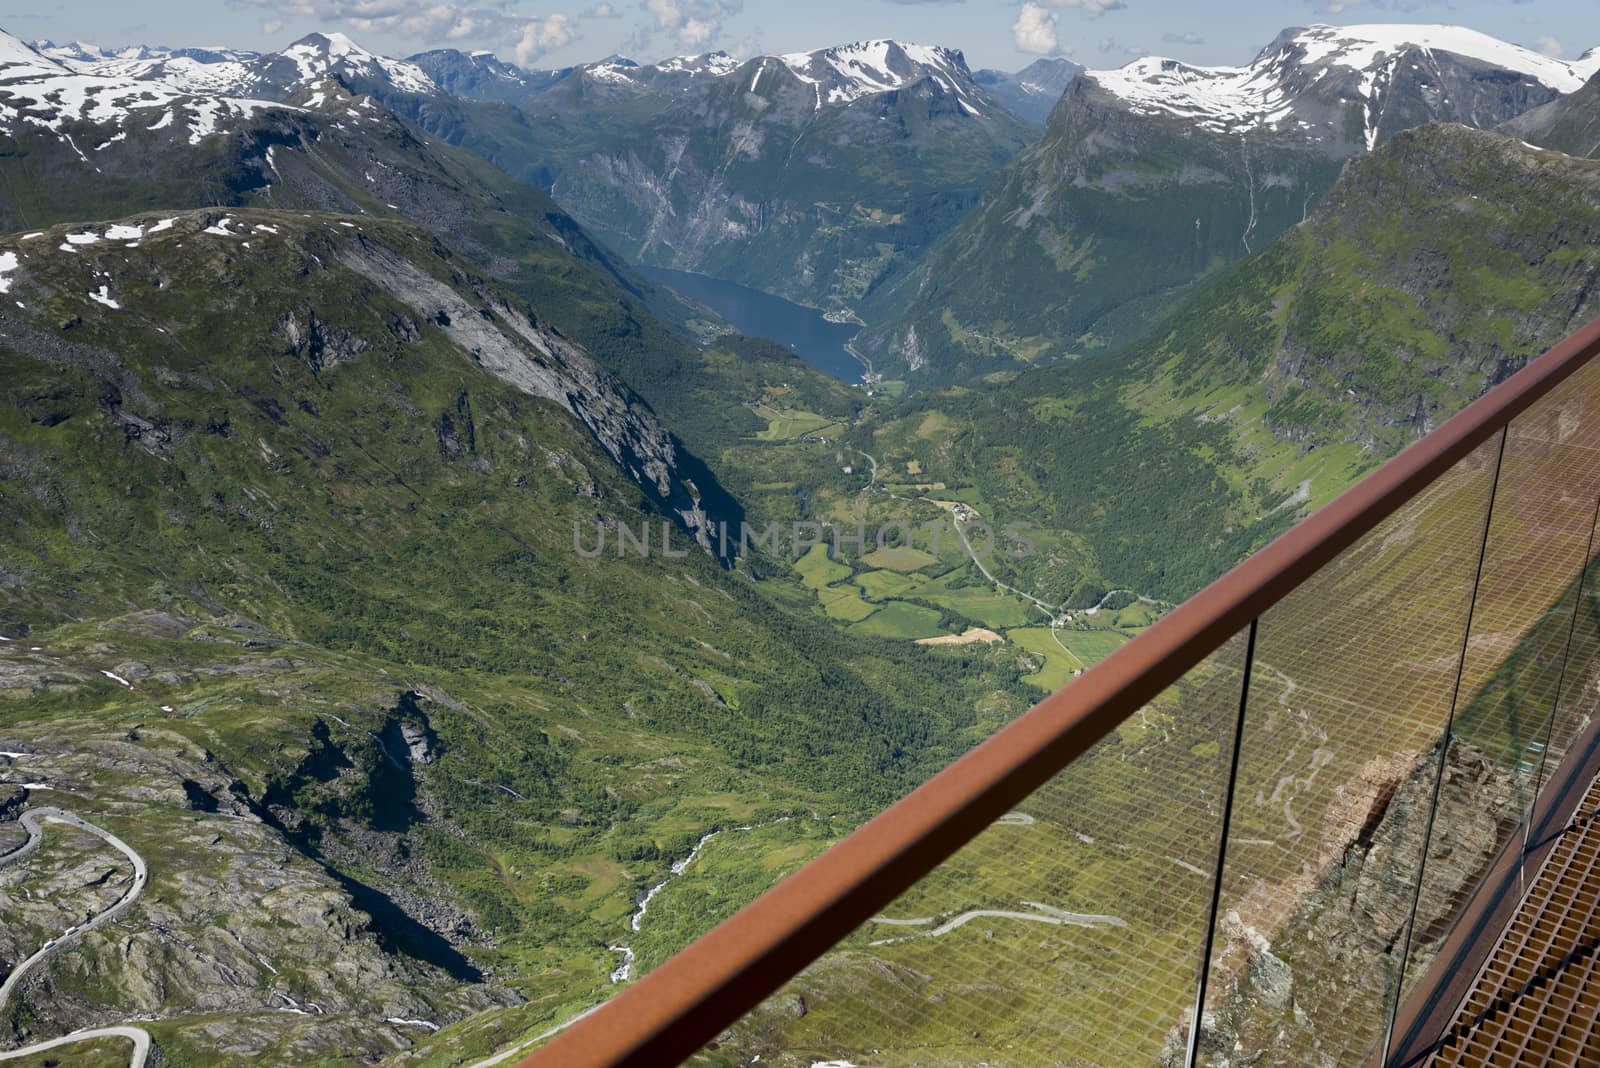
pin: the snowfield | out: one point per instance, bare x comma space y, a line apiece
38, 91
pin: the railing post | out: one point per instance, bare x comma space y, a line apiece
1209, 938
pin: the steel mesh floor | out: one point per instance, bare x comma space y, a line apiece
1537, 1000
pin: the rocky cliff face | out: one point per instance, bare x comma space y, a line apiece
1298, 995
512, 345
1570, 124
812, 176
245, 916
479, 323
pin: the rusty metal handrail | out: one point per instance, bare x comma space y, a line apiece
692, 997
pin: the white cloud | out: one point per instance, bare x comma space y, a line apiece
546, 34
1035, 31
1548, 46
692, 23
431, 23
1398, 7
1188, 38
600, 11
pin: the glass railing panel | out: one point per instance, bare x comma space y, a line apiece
1567, 426
1577, 704
1535, 553
1535, 557
1069, 932
1349, 695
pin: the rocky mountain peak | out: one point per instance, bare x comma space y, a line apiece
848, 72
317, 55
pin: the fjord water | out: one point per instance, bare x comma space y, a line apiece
800, 329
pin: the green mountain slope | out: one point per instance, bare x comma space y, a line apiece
1154, 176
1108, 216
1435, 267
314, 495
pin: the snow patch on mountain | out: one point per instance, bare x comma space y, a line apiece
849, 72
715, 64
1218, 98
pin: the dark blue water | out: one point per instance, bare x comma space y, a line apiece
802, 330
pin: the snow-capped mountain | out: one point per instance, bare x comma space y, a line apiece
836, 76
1310, 79
273, 75
41, 93
850, 72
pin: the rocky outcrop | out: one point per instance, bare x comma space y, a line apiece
516, 348
1321, 984
237, 923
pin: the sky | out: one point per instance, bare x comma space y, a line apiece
1007, 34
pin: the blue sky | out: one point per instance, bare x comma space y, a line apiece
993, 33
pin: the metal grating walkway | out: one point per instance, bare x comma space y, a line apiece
1537, 1000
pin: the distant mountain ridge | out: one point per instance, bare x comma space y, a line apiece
840, 74
1032, 91
482, 75
83, 52
276, 75
38, 92
1307, 78
1159, 173
83, 145
813, 175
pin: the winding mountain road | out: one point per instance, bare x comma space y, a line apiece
139, 1037
31, 821
1041, 913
